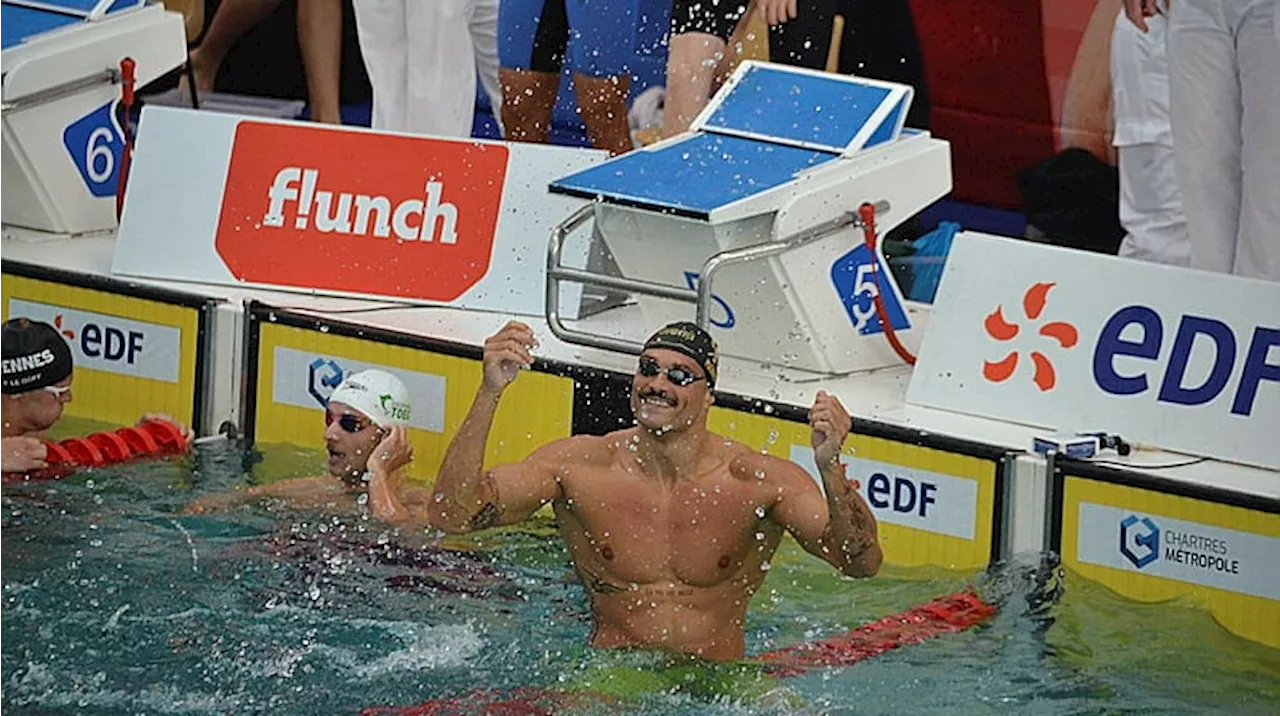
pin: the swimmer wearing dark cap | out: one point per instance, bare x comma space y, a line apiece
670, 526
37, 374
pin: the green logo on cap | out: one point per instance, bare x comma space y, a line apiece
394, 410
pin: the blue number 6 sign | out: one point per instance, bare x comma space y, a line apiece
95, 143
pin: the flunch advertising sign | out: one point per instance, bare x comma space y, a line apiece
401, 216
1185, 360
344, 211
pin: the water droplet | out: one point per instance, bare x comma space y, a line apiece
760, 512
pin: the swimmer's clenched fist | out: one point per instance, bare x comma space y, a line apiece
830, 423
505, 353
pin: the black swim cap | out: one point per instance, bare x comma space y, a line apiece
689, 339
35, 356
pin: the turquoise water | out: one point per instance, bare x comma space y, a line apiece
114, 601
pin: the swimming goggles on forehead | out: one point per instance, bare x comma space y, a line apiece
348, 422
58, 390
676, 374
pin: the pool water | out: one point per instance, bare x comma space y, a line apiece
114, 601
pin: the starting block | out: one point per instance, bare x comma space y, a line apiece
62, 134
752, 217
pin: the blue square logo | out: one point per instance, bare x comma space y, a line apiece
853, 279
1139, 540
324, 375
95, 143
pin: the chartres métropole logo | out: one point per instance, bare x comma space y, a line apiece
360, 212
1000, 329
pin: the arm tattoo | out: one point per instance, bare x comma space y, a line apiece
489, 513
487, 517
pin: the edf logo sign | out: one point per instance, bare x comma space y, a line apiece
102, 341
853, 279
1139, 540
113, 344
324, 375
1191, 330
901, 494
95, 143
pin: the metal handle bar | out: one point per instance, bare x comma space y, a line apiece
701, 298
65, 89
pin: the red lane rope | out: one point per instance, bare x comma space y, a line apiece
154, 438
946, 615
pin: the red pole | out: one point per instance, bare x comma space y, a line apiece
127, 78
867, 212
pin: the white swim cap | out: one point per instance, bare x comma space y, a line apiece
381, 396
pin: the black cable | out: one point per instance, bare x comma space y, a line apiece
1157, 466
363, 309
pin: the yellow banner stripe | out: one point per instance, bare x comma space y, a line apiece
110, 397
1250, 616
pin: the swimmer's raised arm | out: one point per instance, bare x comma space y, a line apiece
468, 497
843, 531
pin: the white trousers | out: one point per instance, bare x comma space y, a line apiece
1224, 91
423, 56
1150, 204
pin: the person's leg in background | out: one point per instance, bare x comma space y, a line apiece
534, 35
1204, 102
604, 33
231, 21
804, 40
1150, 205
384, 43
1258, 57
701, 33
484, 36
320, 42
441, 67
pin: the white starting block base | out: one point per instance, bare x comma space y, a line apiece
62, 138
745, 181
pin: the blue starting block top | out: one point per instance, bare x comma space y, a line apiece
836, 113
694, 175
766, 126
21, 20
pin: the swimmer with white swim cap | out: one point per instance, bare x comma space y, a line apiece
365, 422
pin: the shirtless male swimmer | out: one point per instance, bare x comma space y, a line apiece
669, 525
367, 447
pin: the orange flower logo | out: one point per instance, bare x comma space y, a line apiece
997, 327
57, 323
